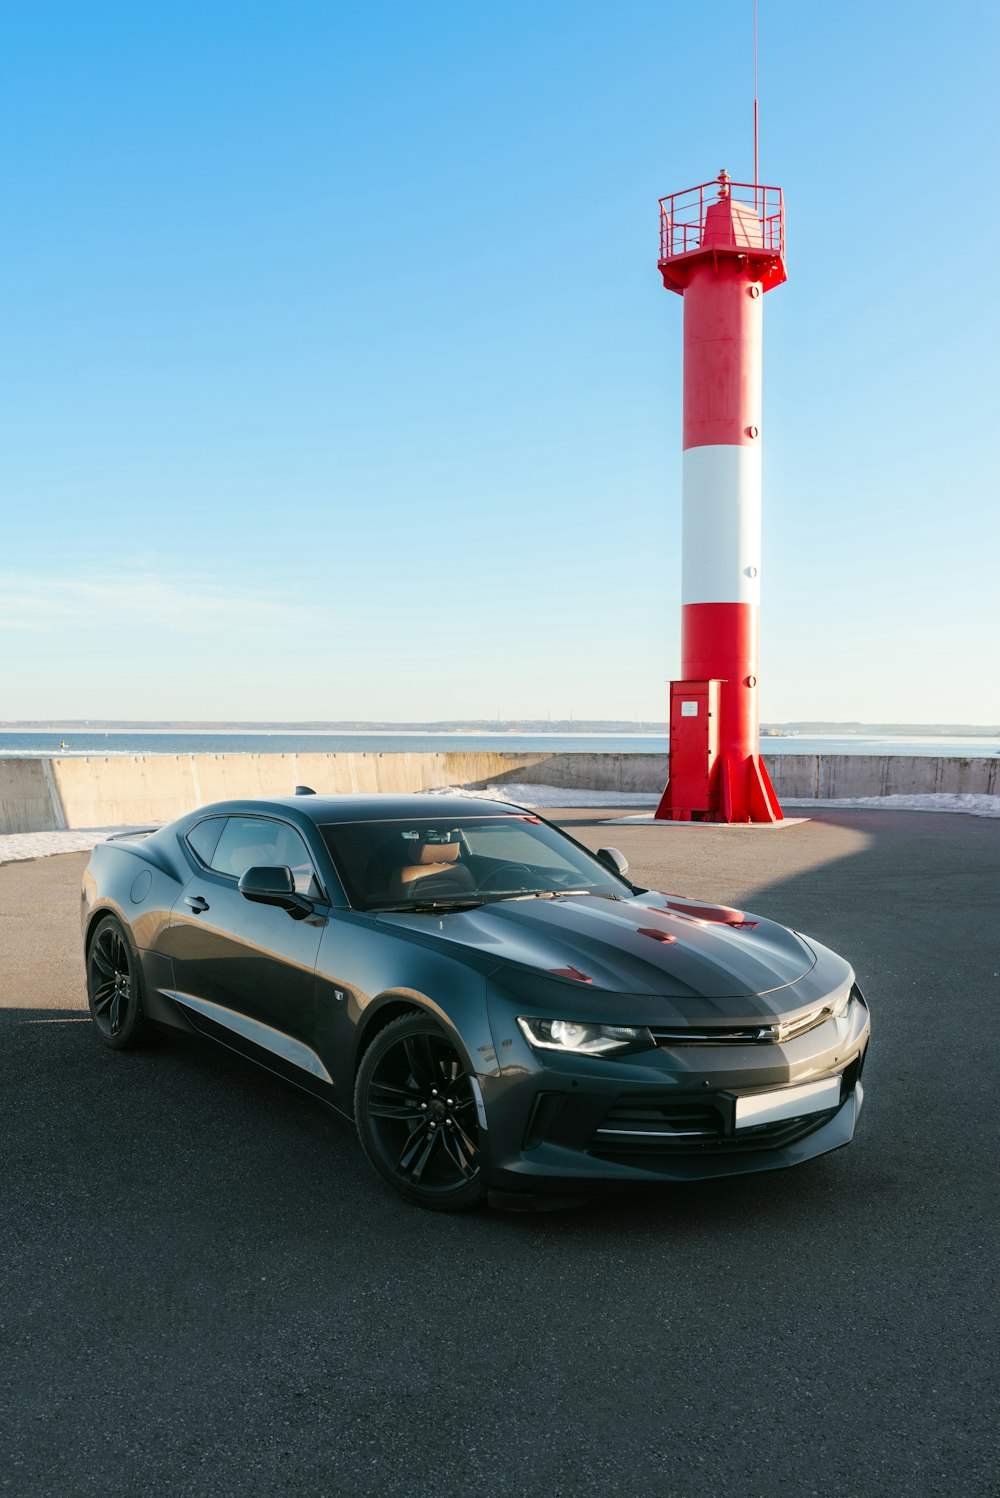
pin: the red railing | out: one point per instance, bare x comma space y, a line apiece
682, 218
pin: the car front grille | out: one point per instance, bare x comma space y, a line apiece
636, 1120
774, 1032
723, 1035
637, 1130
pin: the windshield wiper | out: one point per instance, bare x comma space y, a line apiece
473, 902
425, 907
549, 894
561, 894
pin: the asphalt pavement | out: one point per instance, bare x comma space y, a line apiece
206, 1290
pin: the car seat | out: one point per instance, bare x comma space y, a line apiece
433, 869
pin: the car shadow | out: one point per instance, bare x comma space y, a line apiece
203, 1127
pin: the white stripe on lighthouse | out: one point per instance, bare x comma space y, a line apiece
720, 545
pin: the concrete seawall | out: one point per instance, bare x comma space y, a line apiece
44, 795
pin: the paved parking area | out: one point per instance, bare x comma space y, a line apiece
206, 1291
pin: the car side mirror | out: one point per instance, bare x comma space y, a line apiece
614, 860
268, 885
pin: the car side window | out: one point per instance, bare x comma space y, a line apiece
204, 836
251, 842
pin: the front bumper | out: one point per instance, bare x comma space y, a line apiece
568, 1123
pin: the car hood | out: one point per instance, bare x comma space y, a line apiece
648, 944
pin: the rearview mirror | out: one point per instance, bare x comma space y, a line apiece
266, 885
614, 860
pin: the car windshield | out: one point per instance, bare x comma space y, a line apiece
441, 862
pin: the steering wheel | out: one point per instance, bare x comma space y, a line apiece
505, 868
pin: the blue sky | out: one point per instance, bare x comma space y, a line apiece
338, 379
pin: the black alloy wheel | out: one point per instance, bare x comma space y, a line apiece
114, 986
417, 1118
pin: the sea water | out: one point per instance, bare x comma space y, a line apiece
98, 741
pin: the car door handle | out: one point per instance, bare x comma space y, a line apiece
198, 903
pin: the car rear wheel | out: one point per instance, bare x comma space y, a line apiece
114, 989
417, 1118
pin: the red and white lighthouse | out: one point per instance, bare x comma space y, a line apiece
721, 248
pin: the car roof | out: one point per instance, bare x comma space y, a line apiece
365, 808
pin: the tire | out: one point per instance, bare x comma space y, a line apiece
114, 986
416, 1116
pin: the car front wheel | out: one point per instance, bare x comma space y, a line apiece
114, 986
416, 1116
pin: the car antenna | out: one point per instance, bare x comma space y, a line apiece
304, 790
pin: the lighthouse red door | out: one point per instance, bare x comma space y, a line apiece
694, 748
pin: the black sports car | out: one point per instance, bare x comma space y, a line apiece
496, 1007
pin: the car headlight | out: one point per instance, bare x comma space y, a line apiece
840, 1005
582, 1037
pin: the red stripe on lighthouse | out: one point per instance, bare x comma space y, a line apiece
722, 356
720, 641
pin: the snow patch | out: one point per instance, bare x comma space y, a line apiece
17, 847
972, 805
550, 795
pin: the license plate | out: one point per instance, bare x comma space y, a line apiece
787, 1102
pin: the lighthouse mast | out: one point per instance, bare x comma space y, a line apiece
722, 246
